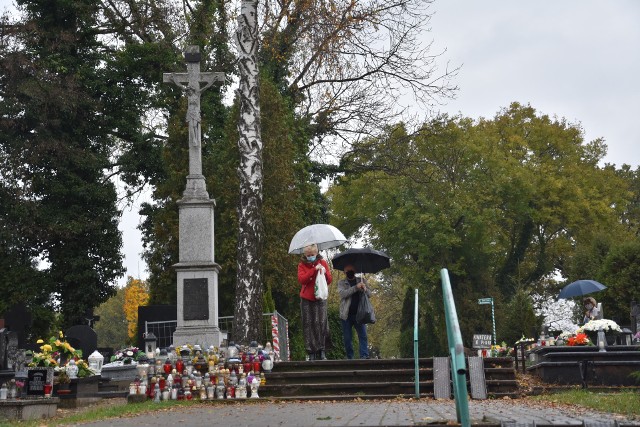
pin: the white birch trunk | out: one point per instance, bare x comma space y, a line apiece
248, 299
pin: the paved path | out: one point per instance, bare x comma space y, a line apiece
369, 413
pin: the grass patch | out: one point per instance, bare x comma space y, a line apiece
624, 402
102, 413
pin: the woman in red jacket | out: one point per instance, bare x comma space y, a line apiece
315, 325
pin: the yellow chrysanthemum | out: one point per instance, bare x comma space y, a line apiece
46, 348
40, 341
61, 334
68, 347
58, 343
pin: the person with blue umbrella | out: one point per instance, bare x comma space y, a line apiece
591, 311
580, 288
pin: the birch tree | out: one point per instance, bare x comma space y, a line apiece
248, 302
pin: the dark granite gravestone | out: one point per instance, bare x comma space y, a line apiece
36, 380
4, 340
13, 353
159, 319
18, 319
82, 337
635, 317
106, 352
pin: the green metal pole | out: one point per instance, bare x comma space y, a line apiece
456, 350
415, 346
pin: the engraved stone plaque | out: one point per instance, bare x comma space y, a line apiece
196, 299
36, 380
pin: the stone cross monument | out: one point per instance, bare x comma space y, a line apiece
196, 269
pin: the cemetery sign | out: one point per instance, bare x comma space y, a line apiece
482, 341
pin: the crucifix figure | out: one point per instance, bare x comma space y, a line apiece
190, 82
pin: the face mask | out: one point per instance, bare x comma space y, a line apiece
311, 258
351, 274
588, 306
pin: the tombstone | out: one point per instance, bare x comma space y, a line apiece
4, 340
635, 317
159, 319
37, 380
18, 319
82, 337
13, 353
90, 318
197, 299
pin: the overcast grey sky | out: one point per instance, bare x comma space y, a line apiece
577, 59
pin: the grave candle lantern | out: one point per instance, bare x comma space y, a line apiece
96, 360
167, 367
179, 365
150, 344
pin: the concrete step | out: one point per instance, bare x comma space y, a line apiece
353, 364
358, 389
347, 397
347, 376
374, 377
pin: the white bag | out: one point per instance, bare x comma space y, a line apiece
321, 290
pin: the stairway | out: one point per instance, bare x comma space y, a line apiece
372, 379
500, 377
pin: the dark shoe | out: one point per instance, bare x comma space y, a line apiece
322, 356
312, 356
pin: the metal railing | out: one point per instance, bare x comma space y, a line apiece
277, 327
276, 330
456, 351
163, 330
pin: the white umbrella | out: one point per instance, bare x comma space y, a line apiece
324, 235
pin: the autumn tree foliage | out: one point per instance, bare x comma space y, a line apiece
111, 328
504, 203
136, 294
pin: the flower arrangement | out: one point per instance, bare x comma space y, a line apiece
83, 369
127, 355
563, 338
578, 339
62, 377
605, 324
52, 351
565, 335
499, 350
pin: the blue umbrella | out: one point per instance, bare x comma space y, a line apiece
580, 287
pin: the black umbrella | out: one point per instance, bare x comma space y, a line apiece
365, 260
580, 287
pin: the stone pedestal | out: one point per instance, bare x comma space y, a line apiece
586, 365
197, 299
119, 372
28, 409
